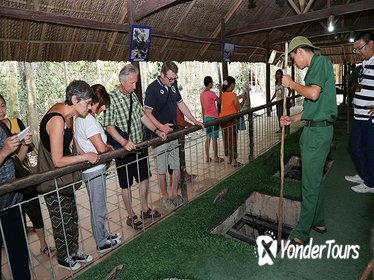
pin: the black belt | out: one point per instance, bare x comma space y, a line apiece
317, 123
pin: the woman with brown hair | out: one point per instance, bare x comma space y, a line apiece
91, 137
229, 105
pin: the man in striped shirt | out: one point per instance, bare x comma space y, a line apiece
361, 144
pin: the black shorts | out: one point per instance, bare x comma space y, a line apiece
133, 166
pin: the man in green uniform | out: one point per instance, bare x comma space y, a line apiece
319, 113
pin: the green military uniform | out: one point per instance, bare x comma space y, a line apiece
315, 144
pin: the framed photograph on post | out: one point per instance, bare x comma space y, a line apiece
140, 43
228, 52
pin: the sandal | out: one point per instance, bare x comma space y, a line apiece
134, 223
50, 252
237, 164
219, 159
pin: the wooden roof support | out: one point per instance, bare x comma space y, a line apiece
308, 6
293, 5
217, 31
302, 5
303, 18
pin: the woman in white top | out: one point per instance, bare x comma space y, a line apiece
91, 137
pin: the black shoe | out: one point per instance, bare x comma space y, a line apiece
109, 245
69, 263
81, 257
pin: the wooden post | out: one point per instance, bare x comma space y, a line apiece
280, 209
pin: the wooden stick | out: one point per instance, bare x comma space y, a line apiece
368, 270
280, 208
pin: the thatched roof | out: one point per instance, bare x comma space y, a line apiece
72, 30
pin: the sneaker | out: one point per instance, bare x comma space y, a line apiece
69, 263
169, 204
178, 200
81, 257
355, 179
109, 245
114, 236
150, 214
362, 188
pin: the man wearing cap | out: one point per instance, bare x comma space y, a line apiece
319, 113
362, 134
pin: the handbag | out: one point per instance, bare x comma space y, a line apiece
114, 143
45, 164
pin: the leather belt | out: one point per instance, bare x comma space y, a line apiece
317, 123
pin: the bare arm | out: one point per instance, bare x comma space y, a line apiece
311, 92
184, 109
99, 144
55, 130
166, 128
147, 122
287, 120
23, 150
10, 145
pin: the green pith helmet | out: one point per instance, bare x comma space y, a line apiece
300, 41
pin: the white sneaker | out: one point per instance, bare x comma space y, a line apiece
355, 179
362, 188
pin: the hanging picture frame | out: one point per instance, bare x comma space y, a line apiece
228, 52
140, 43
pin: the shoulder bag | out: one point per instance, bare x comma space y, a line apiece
45, 164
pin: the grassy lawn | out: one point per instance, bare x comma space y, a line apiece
182, 246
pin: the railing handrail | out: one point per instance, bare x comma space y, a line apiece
37, 178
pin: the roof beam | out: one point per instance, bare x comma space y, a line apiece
226, 18
45, 17
348, 29
293, 5
337, 10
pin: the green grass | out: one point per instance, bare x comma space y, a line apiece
182, 246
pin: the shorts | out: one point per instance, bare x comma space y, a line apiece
167, 154
133, 166
211, 131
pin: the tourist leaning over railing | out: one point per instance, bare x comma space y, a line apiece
11, 225
125, 115
56, 135
91, 137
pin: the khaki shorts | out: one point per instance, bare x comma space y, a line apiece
167, 154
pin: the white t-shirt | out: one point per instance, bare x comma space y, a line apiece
84, 129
